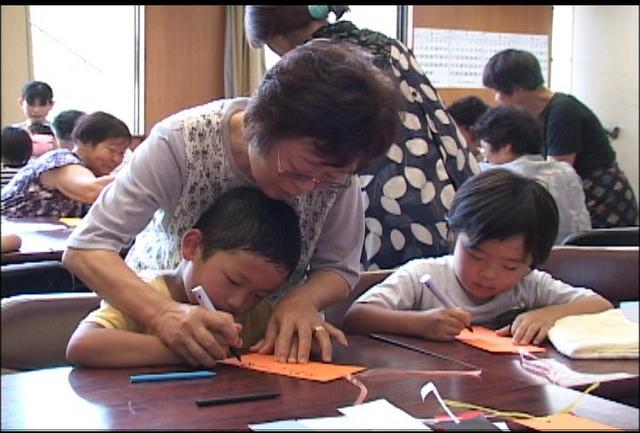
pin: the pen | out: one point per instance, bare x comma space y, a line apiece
428, 283
171, 375
205, 302
236, 399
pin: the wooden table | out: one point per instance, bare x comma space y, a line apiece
66, 398
38, 245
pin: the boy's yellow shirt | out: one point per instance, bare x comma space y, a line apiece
254, 323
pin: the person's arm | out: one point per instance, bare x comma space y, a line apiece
533, 326
152, 180
92, 345
11, 242
442, 324
76, 182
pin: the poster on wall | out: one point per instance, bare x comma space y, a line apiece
456, 58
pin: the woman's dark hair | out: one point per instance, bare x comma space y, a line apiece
509, 125
331, 92
262, 22
465, 111
512, 68
97, 127
500, 204
17, 146
244, 218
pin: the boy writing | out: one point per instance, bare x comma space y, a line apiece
503, 225
243, 248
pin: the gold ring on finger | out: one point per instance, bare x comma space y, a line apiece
319, 328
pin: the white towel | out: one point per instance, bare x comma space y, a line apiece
606, 335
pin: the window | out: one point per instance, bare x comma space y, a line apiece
379, 18
90, 55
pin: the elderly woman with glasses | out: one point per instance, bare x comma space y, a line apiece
319, 116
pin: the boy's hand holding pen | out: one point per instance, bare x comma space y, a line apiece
205, 302
427, 283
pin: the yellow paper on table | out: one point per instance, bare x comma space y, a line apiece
312, 370
71, 222
486, 339
563, 421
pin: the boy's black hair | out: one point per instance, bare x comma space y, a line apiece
244, 218
97, 127
40, 128
64, 123
17, 146
512, 68
35, 91
500, 126
500, 204
465, 111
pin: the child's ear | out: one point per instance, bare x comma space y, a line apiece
190, 245
20, 101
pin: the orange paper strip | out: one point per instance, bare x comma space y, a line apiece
486, 339
312, 370
563, 421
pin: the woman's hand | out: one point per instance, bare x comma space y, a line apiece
294, 324
199, 336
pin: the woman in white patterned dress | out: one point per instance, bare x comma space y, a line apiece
408, 192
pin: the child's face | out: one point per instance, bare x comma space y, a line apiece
235, 281
491, 267
36, 112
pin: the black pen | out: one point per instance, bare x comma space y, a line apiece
236, 399
205, 302
428, 283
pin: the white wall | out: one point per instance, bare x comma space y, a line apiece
595, 58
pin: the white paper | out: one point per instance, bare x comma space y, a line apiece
456, 58
382, 415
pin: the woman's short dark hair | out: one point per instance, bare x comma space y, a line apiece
17, 146
465, 111
500, 126
262, 22
97, 127
331, 92
500, 204
512, 68
244, 218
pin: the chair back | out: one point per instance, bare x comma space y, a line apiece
610, 271
36, 328
610, 237
368, 279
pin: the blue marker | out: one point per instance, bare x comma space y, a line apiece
171, 375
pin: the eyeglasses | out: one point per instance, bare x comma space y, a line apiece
300, 177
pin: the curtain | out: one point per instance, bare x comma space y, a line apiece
16, 60
244, 67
